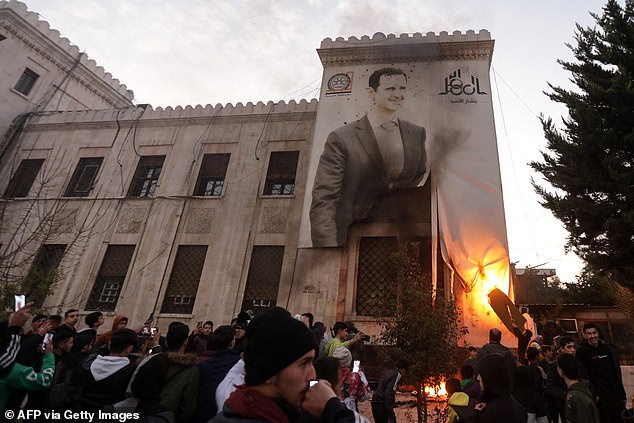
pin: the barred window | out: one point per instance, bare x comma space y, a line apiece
263, 279
84, 176
211, 178
184, 280
146, 176
107, 287
24, 177
378, 286
26, 81
42, 273
109, 293
376, 277
280, 177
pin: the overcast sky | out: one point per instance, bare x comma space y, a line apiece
228, 51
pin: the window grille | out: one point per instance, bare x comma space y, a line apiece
280, 177
378, 285
107, 287
26, 81
42, 270
211, 178
24, 177
376, 277
184, 280
84, 176
146, 176
110, 292
263, 279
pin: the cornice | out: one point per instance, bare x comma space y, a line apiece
179, 116
36, 34
407, 48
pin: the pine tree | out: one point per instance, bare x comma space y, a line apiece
590, 161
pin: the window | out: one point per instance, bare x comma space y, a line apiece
26, 81
23, 178
146, 176
263, 279
184, 280
43, 272
211, 178
379, 289
105, 292
376, 277
280, 177
83, 177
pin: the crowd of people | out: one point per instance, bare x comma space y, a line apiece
275, 367
253, 368
541, 383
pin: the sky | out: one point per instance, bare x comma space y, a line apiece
228, 51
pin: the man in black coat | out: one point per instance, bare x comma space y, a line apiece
602, 362
213, 370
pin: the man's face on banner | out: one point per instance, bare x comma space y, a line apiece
390, 94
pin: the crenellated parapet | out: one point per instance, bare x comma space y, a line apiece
381, 48
259, 111
37, 35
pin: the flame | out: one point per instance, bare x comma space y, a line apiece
436, 391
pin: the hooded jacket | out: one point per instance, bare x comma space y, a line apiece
105, 337
104, 380
500, 405
460, 407
580, 407
180, 389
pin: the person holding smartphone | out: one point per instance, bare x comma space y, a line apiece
199, 338
26, 378
10, 338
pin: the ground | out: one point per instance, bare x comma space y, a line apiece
406, 411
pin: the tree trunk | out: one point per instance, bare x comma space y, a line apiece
421, 404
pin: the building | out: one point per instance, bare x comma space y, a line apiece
46, 73
198, 213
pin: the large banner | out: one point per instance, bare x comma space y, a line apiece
385, 128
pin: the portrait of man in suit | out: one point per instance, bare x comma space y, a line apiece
365, 159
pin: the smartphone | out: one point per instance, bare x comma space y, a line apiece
145, 331
199, 325
47, 339
355, 366
312, 383
153, 331
20, 300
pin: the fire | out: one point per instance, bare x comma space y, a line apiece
437, 391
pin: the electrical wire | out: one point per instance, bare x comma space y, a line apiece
515, 178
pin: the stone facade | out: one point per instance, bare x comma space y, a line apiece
230, 224
186, 250
63, 77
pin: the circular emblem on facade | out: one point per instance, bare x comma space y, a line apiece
339, 82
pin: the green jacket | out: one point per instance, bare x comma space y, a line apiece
335, 343
580, 407
180, 389
26, 379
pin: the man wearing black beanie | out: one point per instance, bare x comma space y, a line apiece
278, 361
